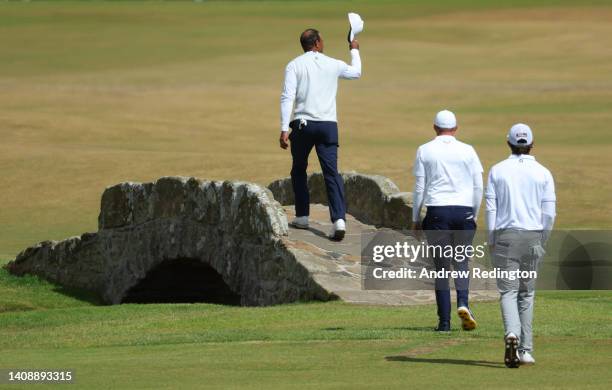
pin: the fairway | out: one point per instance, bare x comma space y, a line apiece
97, 93
320, 345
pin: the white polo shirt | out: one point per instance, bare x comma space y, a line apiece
516, 190
449, 167
311, 82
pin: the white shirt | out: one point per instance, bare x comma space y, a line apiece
520, 193
311, 81
448, 173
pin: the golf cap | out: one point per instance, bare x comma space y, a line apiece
445, 120
520, 135
356, 24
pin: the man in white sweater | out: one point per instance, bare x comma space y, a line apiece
448, 180
520, 215
311, 83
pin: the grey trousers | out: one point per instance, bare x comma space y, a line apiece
517, 250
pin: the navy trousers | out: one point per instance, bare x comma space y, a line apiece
450, 225
324, 137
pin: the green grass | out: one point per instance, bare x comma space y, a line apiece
322, 345
29, 293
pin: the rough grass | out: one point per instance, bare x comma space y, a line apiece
98, 93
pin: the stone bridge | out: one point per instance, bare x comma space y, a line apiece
189, 240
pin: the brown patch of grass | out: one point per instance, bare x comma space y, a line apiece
183, 93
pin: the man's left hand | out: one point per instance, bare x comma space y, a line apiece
284, 139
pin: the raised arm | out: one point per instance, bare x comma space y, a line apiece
352, 71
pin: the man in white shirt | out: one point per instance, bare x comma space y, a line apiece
521, 202
448, 180
311, 82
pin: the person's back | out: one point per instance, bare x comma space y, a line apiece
317, 86
521, 185
448, 181
521, 201
450, 164
311, 83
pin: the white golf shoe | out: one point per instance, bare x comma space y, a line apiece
338, 231
300, 222
525, 357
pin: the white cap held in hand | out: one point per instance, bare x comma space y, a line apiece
520, 135
445, 120
356, 25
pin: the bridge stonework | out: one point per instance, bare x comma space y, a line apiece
237, 228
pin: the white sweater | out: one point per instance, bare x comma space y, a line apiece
311, 82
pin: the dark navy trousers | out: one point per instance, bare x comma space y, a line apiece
450, 225
323, 136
